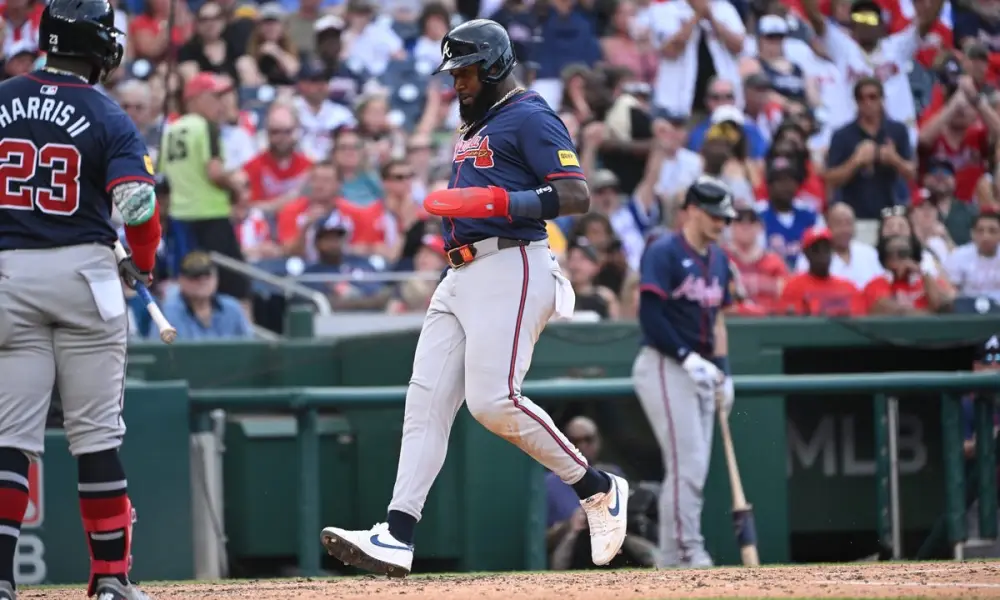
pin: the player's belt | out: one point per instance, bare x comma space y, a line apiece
463, 255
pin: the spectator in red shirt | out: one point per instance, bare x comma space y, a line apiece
20, 22
762, 272
297, 217
278, 173
905, 288
147, 34
958, 135
816, 292
393, 226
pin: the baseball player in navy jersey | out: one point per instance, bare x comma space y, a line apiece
684, 285
68, 154
514, 167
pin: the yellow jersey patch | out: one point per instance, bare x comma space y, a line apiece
568, 159
149, 164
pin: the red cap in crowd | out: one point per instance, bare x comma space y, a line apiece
814, 235
204, 83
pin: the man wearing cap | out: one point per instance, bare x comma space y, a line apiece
865, 51
20, 58
318, 115
197, 309
962, 133
784, 222
816, 292
720, 100
938, 191
356, 293
191, 159
345, 79
671, 167
986, 359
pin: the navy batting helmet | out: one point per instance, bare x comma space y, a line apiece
711, 195
478, 42
82, 29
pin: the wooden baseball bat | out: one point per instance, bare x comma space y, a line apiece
167, 331
743, 521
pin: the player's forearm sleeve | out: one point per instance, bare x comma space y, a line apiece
143, 240
658, 329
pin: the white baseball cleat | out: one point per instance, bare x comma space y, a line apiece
373, 550
607, 516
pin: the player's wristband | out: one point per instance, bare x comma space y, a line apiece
540, 203
723, 363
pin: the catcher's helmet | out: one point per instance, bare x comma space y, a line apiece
82, 29
481, 42
711, 195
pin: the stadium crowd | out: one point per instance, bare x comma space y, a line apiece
858, 137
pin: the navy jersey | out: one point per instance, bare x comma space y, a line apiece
692, 287
784, 231
523, 145
63, 147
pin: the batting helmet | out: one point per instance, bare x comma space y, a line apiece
711, 195
478, 42
82, 29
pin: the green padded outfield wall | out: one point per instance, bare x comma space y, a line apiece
795, 486
52, 548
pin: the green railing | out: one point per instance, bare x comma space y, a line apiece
306, 403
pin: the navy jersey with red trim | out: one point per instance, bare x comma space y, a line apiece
522, 146
63, 147
692, 289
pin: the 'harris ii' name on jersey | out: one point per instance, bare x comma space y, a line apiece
63, 147
44, 107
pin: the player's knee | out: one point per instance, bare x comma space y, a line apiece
490, 411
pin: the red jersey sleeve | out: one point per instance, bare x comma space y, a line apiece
254, 177
365, 220
288, 219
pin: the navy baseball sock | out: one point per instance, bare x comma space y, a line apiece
401, 526
107, 515
592, 482
13, 503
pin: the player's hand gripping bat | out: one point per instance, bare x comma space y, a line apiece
743, 522
167, 332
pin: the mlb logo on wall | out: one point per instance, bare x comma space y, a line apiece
36, 510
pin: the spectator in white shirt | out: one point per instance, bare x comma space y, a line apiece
974, 269
369, 39
318, 115
684, 30
865, 51
852, 259
678, 166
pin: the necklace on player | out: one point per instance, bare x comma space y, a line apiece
61, 72
465, 127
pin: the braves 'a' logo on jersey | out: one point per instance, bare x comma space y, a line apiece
696, 289
476, 148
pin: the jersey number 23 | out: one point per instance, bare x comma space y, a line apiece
19, 162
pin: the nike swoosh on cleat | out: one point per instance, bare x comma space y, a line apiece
613, 511
374, 539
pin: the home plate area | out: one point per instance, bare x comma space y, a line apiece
868, 580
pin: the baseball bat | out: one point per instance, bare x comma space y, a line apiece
167, 332
743, 521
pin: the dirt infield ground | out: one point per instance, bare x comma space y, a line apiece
865, 580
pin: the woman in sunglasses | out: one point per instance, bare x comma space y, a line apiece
895, 220
905, 288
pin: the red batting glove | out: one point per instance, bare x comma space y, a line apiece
472, 203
